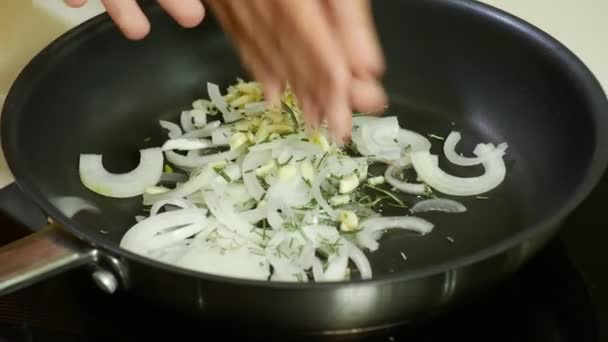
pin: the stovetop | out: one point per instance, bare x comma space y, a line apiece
560, 295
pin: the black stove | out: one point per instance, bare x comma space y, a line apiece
560, 295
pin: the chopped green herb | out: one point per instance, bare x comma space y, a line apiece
386, 193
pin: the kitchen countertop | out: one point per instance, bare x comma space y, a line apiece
26, 26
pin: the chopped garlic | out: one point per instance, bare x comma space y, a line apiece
348, 221
262, 132
265, 169
339, 200
237, 140
280, 128
241, 101
376, 180
349, 183
218, 164
250, 137
262, 204
319, 139
287, 172
155, 190
308, 171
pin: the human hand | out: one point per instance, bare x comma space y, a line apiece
133, 23
326, 50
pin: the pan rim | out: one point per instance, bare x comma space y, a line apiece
594, 96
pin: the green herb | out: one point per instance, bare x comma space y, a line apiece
397, 205
386, 193
287, 162
224, 175
307, 182
249, 171
322, 160
289, 111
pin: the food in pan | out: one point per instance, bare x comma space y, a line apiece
244, 191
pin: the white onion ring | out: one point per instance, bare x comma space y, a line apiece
198, 180
409, 188
359, 259
449, 149
427, 167
97, 179
379, 138
186, 121
218, 100
439, 204
199, 117
252, 161
194, 161
174, 130
186, 144
163, 230
178, 202
372, 228
221, 136
204, 132
413, 140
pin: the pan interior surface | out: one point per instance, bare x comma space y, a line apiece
449, 68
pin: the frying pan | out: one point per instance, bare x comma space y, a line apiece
451, 65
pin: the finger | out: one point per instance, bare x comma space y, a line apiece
322, 65
128, 17
354, 23
238, 20
75, 3
311, 112
188, 13
368, 96
339, 118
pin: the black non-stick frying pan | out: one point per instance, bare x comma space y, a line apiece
495, 77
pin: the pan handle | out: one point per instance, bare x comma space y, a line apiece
43, 254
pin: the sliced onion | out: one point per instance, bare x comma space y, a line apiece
359, 259
252, 161
204, 132
174, 130
199, 117
163, 230
224, 213
194, 161
186, 121
317, 269
439, 204
254, 215
198, 180
379, 138
413, 140
413, 223
221, 136
186, 144
449, 148
398, 166
236, 262
178, 202
218, 100
316, 192
427, 167
337, 265
96, 178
